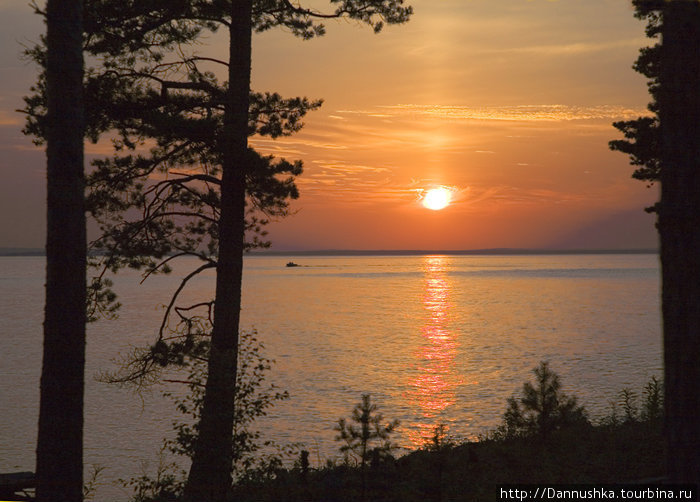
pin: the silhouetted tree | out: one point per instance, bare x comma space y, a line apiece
679, 229
59, 462
210, 474
642, 136
196, 122
541, 408
367, 439
254, 396
667, 146
186, 213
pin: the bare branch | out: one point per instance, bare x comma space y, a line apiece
163, 263
182, 285
209, 305
196, 177
202, 58
186, 382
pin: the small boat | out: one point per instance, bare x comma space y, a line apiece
292, 264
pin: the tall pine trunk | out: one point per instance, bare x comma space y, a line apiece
679, 227
210, 473
59, 466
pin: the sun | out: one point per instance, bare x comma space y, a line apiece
437, 198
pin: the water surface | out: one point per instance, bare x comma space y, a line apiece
433, 339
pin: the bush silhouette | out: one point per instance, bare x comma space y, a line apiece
541, 409
367, 440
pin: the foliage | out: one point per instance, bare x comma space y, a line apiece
253, 399
180, 170
653, 406
628, 399
161, 106
367, 440
642, 136
449, 470
166, 486
159, 102
467, 471
541, 409
651, 410
255, 459
361, 436
90, 485
440, 440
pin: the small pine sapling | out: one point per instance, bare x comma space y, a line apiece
366, 440
542, 408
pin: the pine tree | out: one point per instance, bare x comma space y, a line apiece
367, 439
541, 408
59, 466
679, 230
667, 147
150, 89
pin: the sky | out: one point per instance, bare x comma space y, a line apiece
507, 103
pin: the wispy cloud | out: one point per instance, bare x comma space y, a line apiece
283, 145
345, 182
341, 166
352, 156
520, 113
572, 49
513, 195
10, 119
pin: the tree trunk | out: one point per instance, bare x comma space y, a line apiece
210, 474
59, 466
679, 228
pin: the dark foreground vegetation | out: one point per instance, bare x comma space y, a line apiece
473, 471
545, 437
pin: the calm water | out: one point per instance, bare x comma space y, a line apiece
433, 339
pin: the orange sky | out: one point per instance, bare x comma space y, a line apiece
508, 102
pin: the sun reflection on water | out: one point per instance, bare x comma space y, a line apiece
433, 388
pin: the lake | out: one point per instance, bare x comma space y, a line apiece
433, 339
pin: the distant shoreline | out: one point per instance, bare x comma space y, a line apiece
8, 252
22, 252
451, 252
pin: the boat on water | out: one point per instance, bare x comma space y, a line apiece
292, 264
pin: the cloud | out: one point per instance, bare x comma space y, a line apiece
345, 182
506, 194
572, 49
455, 145
340, 166
520, 113
10, 118
284, 144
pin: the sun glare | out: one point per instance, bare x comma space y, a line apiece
437, 198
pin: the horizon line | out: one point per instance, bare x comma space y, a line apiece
17, 251
421, 252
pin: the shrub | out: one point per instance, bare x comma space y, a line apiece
541, 408
254, 459
367, 440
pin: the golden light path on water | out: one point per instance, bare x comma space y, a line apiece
433, 389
